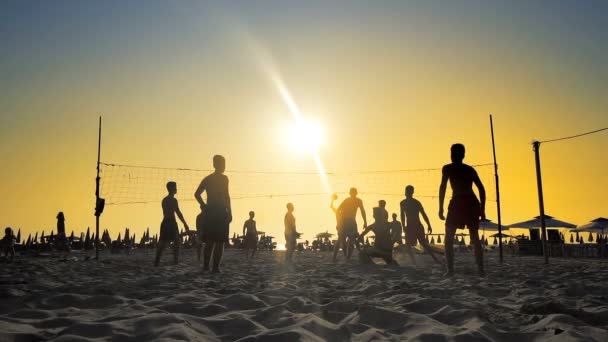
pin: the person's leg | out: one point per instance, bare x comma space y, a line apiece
159, 252
449, 249
410, 252
340, 242
427, 247
350, 246
207, 254
474, 235
199, 249
217, 256
176, 244
253, 252
364, 257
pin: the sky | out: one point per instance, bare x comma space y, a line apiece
392, 84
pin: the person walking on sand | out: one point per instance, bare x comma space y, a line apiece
341, 238
464, 208
217, 213
62, 245
291, 234
411, 209
250, 236
347, 212
169, 231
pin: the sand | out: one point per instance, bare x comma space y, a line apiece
124, 298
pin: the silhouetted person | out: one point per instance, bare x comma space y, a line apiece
8, 244
291, 234
341, 237
411, 209
218, 213
396, 231
169, 231
383, 245
200, 223
250, 235
383, 212
347, 212
464, 208
61, 244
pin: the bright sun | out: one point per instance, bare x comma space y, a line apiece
305, 136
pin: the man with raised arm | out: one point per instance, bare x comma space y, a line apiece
347, 213
411, 209
217, 213
168, 227
464, 208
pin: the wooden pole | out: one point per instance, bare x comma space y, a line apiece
97, 200
497, 192
541, 201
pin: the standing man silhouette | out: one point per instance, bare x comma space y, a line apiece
217, 213
169, 231
291, 234
464, 208
411, 209
347, 214
250, 236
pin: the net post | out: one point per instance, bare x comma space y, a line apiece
98, 200
497, 192
541, 201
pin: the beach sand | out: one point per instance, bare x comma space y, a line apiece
124, 298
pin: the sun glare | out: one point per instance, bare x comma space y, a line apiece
305, 136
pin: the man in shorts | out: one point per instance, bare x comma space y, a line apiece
291, 234
347, 212
411, 209
217, 213
169, 231
464, 208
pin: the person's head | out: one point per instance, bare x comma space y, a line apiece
60, 216
457, 153
394, 217
219, 163
251, 214
409, 191
290, 207
172, 187
353, 192
382, 203
8, 231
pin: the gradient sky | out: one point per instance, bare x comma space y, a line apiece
393, 83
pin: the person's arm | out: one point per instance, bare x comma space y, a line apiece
197, 194
228, 204
442, 187
363, 214
244, 226
402, 209
482, 194
180, 216
331, 205
426, 219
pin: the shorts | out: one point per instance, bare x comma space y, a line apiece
349, 228
463, 211
290, 243
199, 227
215, 226
168, 230
413, 234
250, 241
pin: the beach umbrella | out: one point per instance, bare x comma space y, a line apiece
590, 239
495, 241
29, 240
118, 239
148, 234
19, 236
72, 236
487, 224
571, 238
36, 237
439, 239
324, 235
503, 235
550, 222
597, 226
432, 240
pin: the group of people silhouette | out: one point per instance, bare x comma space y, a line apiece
212, 224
